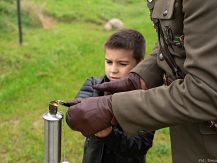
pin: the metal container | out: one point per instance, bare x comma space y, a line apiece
52, 134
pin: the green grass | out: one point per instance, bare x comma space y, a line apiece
53, 64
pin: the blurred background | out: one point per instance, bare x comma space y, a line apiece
61, 46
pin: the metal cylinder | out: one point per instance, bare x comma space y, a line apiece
52, 134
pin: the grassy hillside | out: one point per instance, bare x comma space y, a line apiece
62, 46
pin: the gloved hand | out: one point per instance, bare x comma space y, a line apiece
128, 83
90, 115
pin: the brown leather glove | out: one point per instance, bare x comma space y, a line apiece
128, 83
90, 115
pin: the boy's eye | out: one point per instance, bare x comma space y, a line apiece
123, 64
108, 62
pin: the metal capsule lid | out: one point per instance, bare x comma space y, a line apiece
52, 114
53, 106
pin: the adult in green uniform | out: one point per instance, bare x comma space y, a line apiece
185, 56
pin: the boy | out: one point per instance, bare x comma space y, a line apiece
124, 49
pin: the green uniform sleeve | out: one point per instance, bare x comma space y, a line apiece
192, 99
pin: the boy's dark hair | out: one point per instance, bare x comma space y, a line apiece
127, 39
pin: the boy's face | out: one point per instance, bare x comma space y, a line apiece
118, 63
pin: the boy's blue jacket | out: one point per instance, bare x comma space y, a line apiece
117, 147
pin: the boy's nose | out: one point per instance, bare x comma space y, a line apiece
114, 69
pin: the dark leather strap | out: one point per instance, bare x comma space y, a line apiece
167, 54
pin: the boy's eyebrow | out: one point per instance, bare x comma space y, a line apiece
118, 60
124, 61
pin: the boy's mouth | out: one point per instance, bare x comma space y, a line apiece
115, 78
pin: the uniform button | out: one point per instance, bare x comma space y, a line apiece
165, 13
161, 57
150, 1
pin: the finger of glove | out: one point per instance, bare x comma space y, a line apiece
128, 83
113, 86
73, 117
107, 86
73, 102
